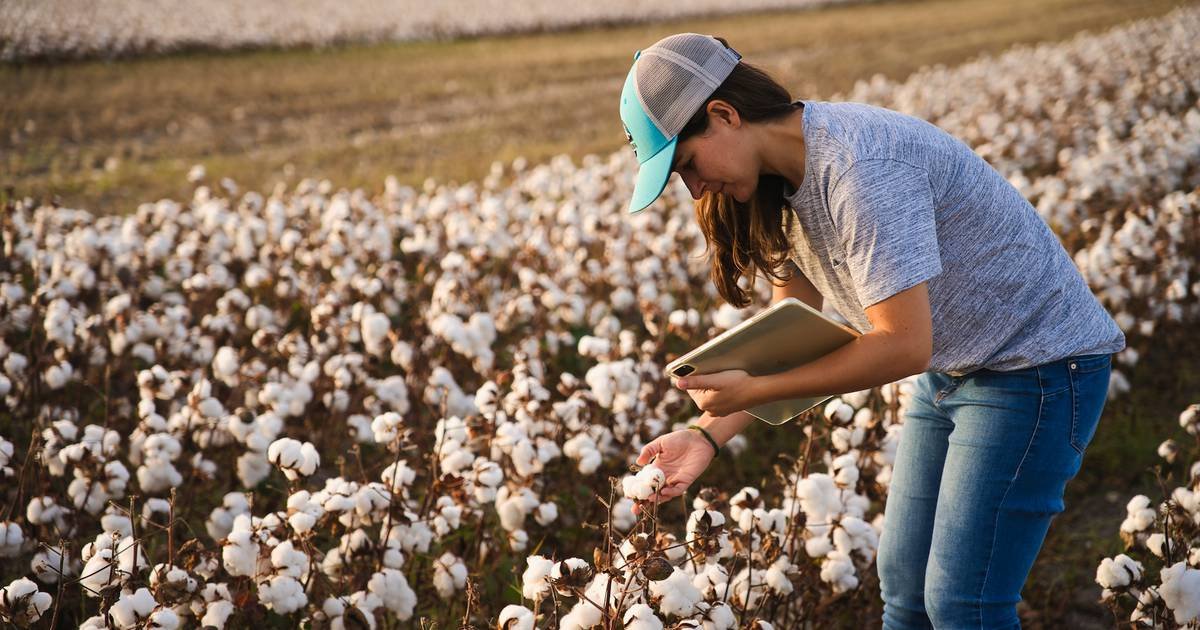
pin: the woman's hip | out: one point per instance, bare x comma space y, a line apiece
1035, 420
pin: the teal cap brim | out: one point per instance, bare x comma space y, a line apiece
652, 177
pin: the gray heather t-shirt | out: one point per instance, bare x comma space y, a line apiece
889, 200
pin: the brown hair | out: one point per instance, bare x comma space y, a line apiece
745, 238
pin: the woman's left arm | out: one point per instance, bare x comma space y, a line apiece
884, 211
899, 344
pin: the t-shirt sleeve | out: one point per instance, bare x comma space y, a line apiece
883, 210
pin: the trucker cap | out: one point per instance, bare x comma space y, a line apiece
667, 84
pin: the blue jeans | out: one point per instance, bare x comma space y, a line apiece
980, 471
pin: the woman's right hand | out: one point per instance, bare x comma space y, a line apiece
682, 455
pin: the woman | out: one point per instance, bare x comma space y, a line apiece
949, 272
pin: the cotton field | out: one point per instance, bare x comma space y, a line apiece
62, 28
324, 408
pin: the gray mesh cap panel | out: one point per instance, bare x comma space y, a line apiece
677, 74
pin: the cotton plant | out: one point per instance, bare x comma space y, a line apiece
439, 364
1164, 537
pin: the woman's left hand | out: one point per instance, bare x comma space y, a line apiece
723, 393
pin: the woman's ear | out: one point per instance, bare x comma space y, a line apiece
724, 112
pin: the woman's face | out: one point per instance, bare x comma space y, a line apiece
721, 159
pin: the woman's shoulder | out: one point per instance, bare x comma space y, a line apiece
849, 132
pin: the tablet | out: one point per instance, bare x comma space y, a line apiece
787, 334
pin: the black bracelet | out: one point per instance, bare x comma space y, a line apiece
716, 449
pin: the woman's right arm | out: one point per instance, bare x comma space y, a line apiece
724, 428
684, 454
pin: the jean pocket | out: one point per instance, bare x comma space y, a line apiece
1089, 389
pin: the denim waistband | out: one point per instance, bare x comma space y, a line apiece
1083, 362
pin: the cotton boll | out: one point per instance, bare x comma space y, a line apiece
512, 507
386, 427
371, 501
486, 476
746, 588
710, 579
842, 439
572, 573
217, 613
533, 580
448, 516
546, 513
1139, 514
359, 427
645, 483
719, 616
449, 575
220, 520
622, 514
1189, 419
49, 564
582, 448
225, 365
282, 594
838, 570
1181, 591
818, 546
22, 604
375, 328
295, 459
95, 622
59, 324
58, 375
777, 576
132, 608
170, 581
1168, 450
517, 617
864, 418
856, 399
454, 457
240, 553
163, 619
846, 470
303, 511
98, 573
402, 355
11, 539
393, 590
675, 595
583, 615
819, 498
288, 560
727, 316
590, 346
1155, 543
838, 412
130, 557
398, 476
